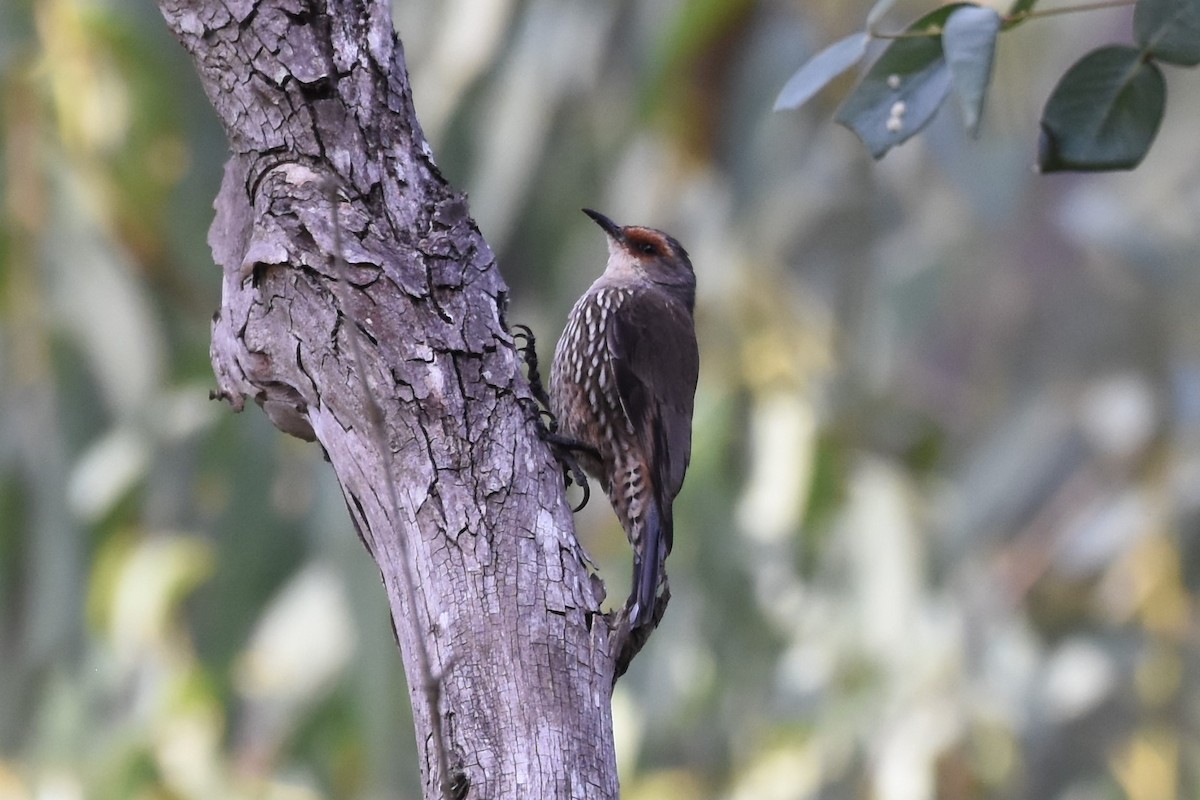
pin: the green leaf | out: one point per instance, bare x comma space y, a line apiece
969, 42
1104, 113
1169, 30
903, 89
821, 69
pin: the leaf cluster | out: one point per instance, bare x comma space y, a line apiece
1103, 114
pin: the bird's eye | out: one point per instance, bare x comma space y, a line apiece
648, 248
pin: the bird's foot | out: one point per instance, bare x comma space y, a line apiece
564, 447
528, 352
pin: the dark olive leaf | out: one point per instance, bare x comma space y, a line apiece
1018, 13
821, 69
1104, 113
903, 89
969, 42
933, 22
1169, 30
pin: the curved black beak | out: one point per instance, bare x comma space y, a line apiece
610, 227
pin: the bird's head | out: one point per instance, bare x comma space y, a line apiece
649, 252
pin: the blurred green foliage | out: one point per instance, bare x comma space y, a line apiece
940, 533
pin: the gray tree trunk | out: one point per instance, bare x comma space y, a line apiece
504, 603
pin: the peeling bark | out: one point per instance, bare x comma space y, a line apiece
509, 612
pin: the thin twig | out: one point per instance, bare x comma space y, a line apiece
430, 683
1009, 21
1050, 12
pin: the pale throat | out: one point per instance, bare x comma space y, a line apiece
622, 263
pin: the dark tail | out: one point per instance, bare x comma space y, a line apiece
648, 564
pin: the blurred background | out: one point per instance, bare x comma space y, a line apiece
939, 537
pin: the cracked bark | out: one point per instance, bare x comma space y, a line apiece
313, 89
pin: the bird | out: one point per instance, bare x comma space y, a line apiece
623, 385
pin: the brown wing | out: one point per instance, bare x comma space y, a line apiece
652, 343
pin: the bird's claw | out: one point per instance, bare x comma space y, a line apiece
547, 424
528, 352
579, 479
564, 450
